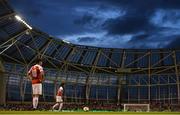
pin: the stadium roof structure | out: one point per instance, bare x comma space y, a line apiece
118, 75
21, 44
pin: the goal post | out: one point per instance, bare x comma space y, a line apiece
137, 107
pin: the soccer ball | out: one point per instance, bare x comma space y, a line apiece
85, 109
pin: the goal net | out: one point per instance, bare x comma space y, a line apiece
136, 107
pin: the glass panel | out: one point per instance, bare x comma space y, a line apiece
133, 93
48, 90
93, 79
154, 92
155, 57
102, 61
112, 92
142, 61
113, 80
93, 92
70, 90
178, 56
37, 42
62, 52
143, 80
51, 48
168, 59
75, 56
26, 52
172, 79
89, 57
3, 9
102, 92
116, 57
14, 27
82, 78
103, 79
129, 59
143, 92
4, 36
80, 90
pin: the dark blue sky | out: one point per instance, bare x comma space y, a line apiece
106, 23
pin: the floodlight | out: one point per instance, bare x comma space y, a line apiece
18, 17
21, 20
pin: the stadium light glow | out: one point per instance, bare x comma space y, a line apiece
21, 20
18, 17
66, 41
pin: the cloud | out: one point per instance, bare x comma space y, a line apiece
155, 40
86, 39
85, 19
143, 4
166, 18
27, 7
127, 25
93, 17
135, 20
175, 43
54, 18
92, 39
106, 23
141, 38
169, 4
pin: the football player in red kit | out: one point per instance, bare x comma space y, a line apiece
36, 75
59, 97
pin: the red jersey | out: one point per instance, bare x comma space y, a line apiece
36, 73
60, 91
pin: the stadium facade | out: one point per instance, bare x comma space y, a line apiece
92, 74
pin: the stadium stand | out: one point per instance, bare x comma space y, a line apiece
102, 78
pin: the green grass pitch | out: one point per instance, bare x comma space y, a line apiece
85, 113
